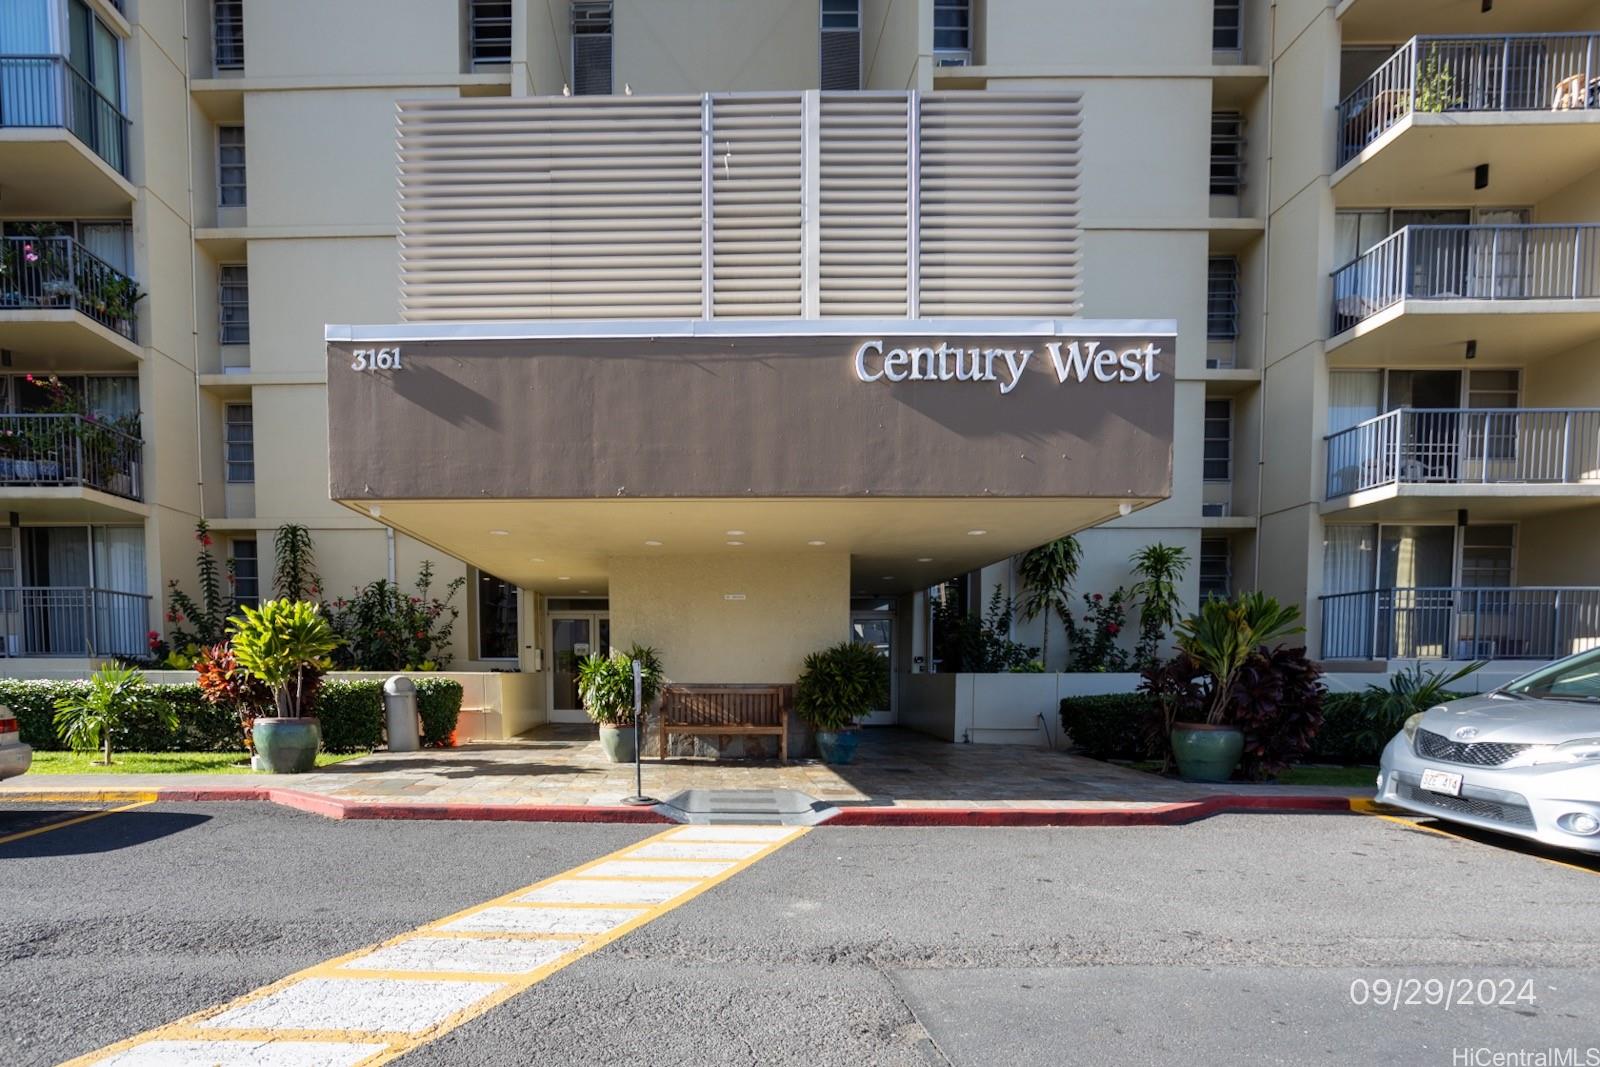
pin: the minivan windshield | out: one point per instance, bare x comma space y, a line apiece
1576, 678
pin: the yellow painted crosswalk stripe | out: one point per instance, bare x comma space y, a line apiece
353, 1012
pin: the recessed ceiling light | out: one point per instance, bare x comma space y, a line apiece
501, 533
734, 533
735, 542
924, 559
888, 577
976, 533
816, 542
537, 559
583, 590
653, 544
564, 578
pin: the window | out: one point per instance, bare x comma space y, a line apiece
1216, 568
591, 48
952, 33
1486, 553
841, 44
497, 618
230, 166
246, 572
233, 300
241, 443
1218, 456
489, 33
1226, 28
227, 34
1222, 299
93, 110
1227, 153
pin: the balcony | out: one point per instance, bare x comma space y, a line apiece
73, 622
63, 144
1511, 461
1527, 105
1520, 291
1461, 623
61, 302
69, 451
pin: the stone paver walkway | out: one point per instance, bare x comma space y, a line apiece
564, 765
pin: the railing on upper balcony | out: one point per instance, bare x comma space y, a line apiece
56, 450
1483, 622
45, 272
1504, 262
73, 621
38, 91
1473, 446
1516, 72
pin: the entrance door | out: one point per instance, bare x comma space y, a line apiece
572, 636
878, 631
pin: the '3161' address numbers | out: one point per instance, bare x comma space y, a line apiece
377, 359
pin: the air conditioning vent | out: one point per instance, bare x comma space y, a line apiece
1214, 511
591, 48
952, 57
841, 59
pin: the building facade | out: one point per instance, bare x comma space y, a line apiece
1365, 222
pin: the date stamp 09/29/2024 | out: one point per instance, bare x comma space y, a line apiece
1462, 994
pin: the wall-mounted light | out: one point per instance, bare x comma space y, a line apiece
1472, 348
1488, 6
1480, 176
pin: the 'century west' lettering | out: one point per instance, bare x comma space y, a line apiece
1077, 360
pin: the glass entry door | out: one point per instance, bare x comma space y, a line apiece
572, 637
877, 631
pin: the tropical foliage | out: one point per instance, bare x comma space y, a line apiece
1222, 636
964, 642
1047, 574
89, 719
605, 683
1159, 570
384, 628
1095, 642
295, 564
1412, 690
223, 682
840, 684
280, 644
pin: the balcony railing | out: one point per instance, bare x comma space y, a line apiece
1510, 262
1478, 446
73, 621
55, 450
46, 272
44, 91
1461, 623
1519, 72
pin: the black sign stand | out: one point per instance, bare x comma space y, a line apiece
638, 799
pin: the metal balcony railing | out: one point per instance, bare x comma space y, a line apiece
73, 621
39, 91
1476, 446
1507, 262
1516, 72
1461, 623
45, 272
54, 450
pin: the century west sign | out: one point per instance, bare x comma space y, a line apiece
1077, 361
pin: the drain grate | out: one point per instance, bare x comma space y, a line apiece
777, 807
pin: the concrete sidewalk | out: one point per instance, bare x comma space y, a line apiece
898, 777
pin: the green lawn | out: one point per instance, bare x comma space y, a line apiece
156, 762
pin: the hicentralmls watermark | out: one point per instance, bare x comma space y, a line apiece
1525, 1057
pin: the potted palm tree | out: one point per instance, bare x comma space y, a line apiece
837, 686
1220, 638
284, 644
605, 684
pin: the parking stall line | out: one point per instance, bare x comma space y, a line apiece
378, 1002
62, 824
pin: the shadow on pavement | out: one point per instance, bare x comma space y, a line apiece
108, 832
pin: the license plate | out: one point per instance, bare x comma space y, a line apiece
1442, 782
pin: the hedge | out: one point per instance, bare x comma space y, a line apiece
1114, 726
350, 712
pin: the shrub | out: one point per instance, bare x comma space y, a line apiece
1160, 570
439, 704
979, 646
606, 684
841, 684
284, 644
351, 714
1115, 726
90, 718
1277, 702
199, 727
383, 628
1343, 738
1094, 644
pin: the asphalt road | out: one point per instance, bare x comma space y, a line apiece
1242, 939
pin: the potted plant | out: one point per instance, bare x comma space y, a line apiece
224, 683
1219, 640
284, 644
837, 686
605, 683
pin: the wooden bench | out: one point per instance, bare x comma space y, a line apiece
712, 710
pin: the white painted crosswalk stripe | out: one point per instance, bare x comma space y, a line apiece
378, 1003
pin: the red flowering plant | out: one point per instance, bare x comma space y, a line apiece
383, 628
196, 624
1093, 641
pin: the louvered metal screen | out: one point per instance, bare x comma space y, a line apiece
771, 205
841, 59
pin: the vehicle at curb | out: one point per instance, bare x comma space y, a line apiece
1523, 759
15, 757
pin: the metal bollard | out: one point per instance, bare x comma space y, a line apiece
400, 713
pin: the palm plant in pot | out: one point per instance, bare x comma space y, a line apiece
1219, 640
837, 686
284, 644
605, 684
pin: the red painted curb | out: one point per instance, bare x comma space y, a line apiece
1154, 815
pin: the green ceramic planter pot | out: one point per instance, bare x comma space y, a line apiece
618, 743
287, 746
1206, 753
837, 746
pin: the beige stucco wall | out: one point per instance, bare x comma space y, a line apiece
351, 38
793, 604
